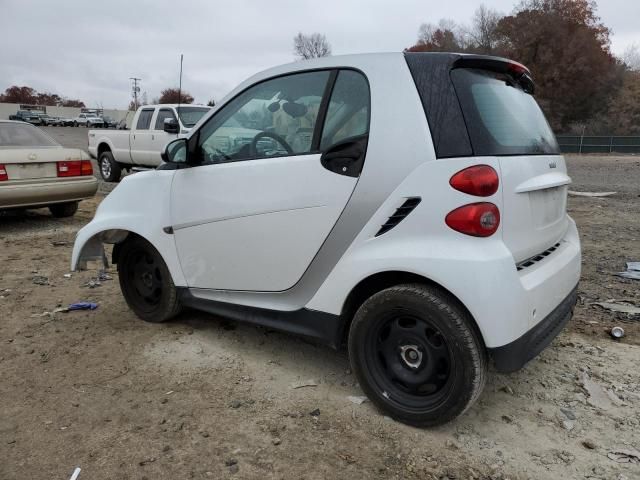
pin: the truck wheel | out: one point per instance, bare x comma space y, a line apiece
110, 170
417, 355
61, 210
145, 281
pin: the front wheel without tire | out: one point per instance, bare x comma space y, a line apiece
145, 281
61, 210
417, 355
110, 170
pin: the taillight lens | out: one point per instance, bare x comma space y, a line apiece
74, 168
86, 168
3, 173
475, 219
479, 180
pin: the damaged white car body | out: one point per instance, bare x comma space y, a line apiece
411, 206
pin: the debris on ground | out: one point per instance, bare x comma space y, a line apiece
357, 400
315, 413
632, 272
40, 280
78, 306
620, 307
75, 474
591, 194
597, 395
623, 455
617, 332
59, 243
304, 383
67, 275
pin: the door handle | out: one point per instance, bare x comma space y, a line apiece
346, 157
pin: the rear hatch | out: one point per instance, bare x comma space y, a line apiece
495, 115
504, 120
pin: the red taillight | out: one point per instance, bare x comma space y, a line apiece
476, 219
3, 173
479, 180
74, 168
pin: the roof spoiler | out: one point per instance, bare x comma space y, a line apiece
501, 65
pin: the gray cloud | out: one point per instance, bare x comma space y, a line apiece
88, 50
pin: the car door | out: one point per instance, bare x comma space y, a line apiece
256, 212
141, 138
159, 138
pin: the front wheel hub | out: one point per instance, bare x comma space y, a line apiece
411, 355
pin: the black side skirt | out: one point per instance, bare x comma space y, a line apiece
515, 355
323, 327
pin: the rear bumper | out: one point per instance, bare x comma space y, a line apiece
515, 355
35, 193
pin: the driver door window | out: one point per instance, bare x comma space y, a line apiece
271, 119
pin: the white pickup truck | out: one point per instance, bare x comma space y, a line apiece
153, 126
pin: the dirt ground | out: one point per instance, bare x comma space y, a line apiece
202, 397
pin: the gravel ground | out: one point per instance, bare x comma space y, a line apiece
202, 397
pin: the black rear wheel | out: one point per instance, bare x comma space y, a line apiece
61, 210
416, 354
146, 282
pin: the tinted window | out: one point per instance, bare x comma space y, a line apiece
502, 119
163, 114
348, 112
19, 135
144, 120
189, 116
273, 118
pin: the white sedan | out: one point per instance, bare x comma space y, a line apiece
36, 172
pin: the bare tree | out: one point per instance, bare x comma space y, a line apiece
631, 57
311, 46
483, 31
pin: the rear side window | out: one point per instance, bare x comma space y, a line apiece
501, 118
144, 120
348, 111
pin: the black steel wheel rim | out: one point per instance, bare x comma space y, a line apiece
144, 279
409, 361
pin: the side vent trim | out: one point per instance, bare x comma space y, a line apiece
400, 214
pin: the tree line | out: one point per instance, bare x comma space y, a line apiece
580, 84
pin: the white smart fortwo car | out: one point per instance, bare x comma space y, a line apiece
409, 205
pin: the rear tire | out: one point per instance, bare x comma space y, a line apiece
417, 355
145, 281
62, 210
110, 170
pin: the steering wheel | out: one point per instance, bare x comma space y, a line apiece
253, 147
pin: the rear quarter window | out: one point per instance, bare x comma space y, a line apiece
501, 118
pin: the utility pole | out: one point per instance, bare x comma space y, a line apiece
135, 89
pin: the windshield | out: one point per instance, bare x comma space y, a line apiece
189, 116
501, 117
20, 135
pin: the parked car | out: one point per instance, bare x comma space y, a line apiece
153, 126
423, 223
66, 121
27, 116
37, 172
50, 121
109, 122
88, 120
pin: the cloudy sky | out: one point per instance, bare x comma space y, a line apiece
88, 50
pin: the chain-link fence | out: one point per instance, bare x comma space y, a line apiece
598, 144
